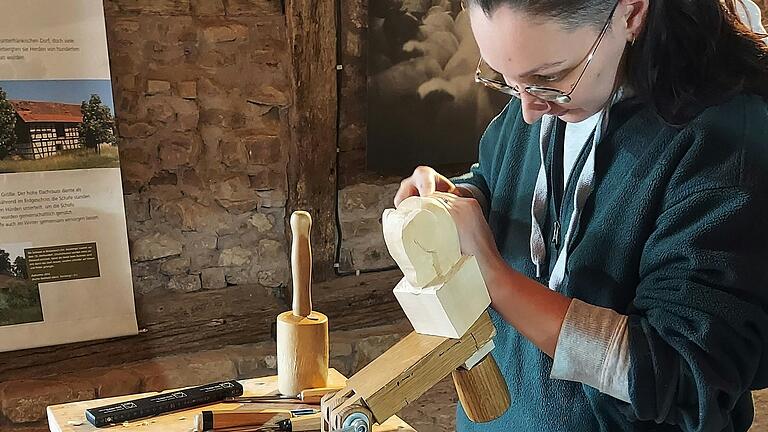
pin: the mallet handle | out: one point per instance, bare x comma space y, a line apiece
301, 263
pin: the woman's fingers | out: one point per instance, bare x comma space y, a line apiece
407, 189
425, 181
474, 233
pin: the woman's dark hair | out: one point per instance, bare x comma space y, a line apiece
692, 54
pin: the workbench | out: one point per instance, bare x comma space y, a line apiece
71, 417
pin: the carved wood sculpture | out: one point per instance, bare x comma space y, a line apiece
302, 334
445, 298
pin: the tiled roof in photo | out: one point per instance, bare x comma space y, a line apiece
47, 112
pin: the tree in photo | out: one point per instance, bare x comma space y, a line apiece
20, 268
5, 263
98, 125
7, 126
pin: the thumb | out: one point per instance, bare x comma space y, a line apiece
425, 183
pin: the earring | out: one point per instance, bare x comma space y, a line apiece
634, 38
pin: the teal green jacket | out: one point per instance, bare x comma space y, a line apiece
675, 236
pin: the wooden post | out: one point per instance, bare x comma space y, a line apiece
311, 27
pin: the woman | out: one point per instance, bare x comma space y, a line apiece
619, 213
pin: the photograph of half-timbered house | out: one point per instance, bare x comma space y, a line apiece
45, 129
56, 125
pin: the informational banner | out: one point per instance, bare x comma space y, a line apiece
65, 272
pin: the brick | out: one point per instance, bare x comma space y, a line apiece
233, 153
263, 149
154, 246
128, 81
235, 194
185, 283
265, 178
228, 241
188, 370
177, 152
235, 257
41, 426
118, 382
253, 7
203, 259
188, 89
340, 349
152, 7
268, 95
193, 240
175, 266
213, 278
208, 8
158, 87
272, 198
136, 130
263, 223
136, 208
253, 360
226, 33
199, 217
25, 401
274, 278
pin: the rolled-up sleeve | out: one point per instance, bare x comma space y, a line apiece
593, 349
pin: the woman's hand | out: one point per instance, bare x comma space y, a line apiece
532, 308
424, 182
475, 235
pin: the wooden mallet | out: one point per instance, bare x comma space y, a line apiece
302, 335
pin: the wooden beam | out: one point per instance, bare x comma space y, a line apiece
403, 373
311, 27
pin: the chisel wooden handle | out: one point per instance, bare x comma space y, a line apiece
309, 422
213, 420
482, 390
301, 263
313, 396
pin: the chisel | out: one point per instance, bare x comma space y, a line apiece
308, 396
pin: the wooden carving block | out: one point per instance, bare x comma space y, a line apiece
443, 292
422, 239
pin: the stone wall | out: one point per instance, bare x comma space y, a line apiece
361, 206
200, 92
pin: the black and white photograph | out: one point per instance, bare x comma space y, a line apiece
424, 107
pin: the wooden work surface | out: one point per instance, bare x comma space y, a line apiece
71, 417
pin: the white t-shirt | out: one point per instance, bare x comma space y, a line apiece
576, 136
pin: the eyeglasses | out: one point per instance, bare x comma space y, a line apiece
545, 93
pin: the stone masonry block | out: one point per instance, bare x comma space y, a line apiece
188, 89
213, 278
158, 87
187, 370
25, 401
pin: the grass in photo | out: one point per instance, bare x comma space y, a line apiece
19, 296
